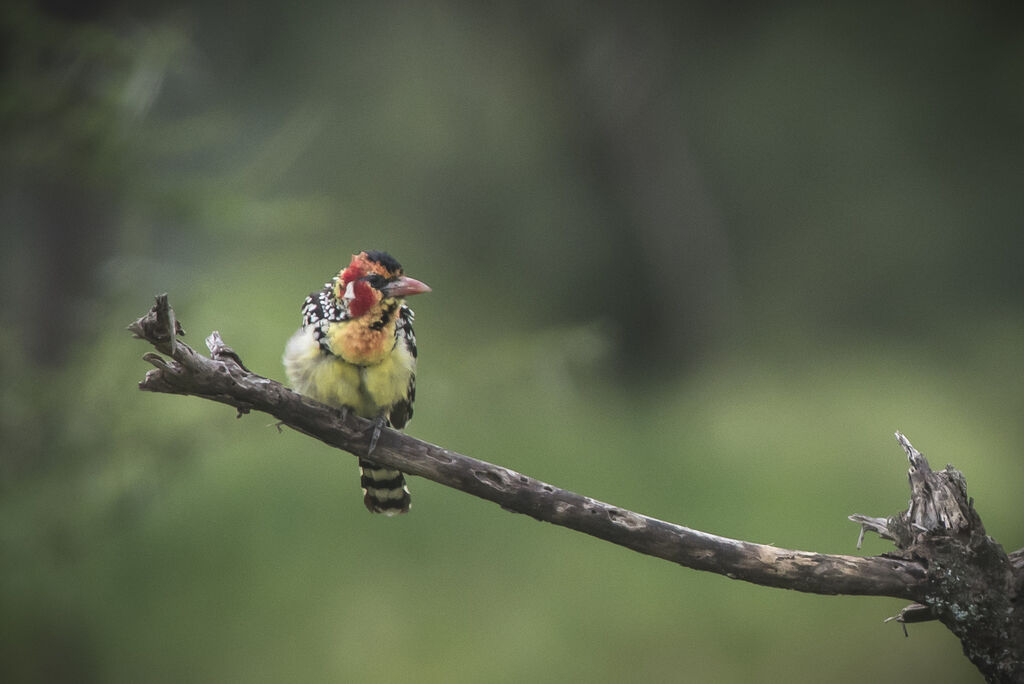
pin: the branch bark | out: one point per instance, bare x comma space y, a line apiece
973, 586
929, 569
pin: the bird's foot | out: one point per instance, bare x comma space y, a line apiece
379, 423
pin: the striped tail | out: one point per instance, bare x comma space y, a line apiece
384, 489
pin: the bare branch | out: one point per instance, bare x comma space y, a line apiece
946, 564
225, 380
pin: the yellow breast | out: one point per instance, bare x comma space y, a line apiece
375, 384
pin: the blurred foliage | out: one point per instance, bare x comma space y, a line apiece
697, 261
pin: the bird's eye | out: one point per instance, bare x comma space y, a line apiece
375, 281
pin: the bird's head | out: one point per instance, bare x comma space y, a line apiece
371, 278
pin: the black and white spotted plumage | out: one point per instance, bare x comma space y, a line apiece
320, 310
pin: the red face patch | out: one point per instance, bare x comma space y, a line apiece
363, 299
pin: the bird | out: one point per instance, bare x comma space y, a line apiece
356, 350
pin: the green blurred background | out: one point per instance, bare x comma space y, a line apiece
696, 260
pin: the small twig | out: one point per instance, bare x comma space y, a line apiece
879, 526
915, 612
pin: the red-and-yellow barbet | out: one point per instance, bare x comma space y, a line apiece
356, 350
